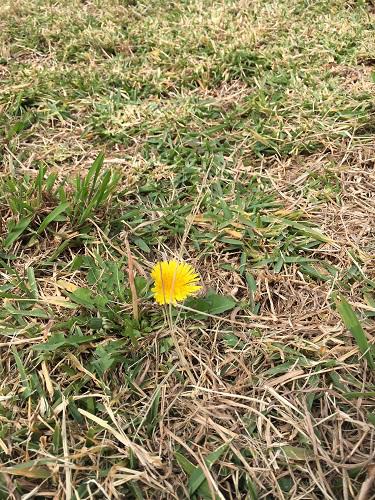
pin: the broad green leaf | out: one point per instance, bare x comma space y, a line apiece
59, 340
82, 296
213, 303
135, 490
334, 376
233, 341
352, 323
54, 342
25, 122
251, 490
185, 464
285, 483
28, 313
63, 245
6, 295
104, 360
282, 368
141, 244
74, 412
232, 241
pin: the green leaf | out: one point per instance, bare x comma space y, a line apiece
32, 282
104, 360
29, 313
93, 173
152, 416
198, 477
251, 489
73, 410
299, 227
22, 371
352, 323
82, 296
185, 464
213, 303
371, 418
233, 341
285, 483
25, 122
52, 216
359, 394
59, 340
314, 273
251, 283
189, 469
232, 241
16, 231
282, 368
142, 244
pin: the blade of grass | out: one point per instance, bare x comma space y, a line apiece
16, 231
352, 323
52, 216
197, 477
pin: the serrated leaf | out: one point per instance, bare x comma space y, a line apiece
59, 340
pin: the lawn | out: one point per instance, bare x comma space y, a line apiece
237, 136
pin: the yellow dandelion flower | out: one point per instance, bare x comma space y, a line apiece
174, 281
